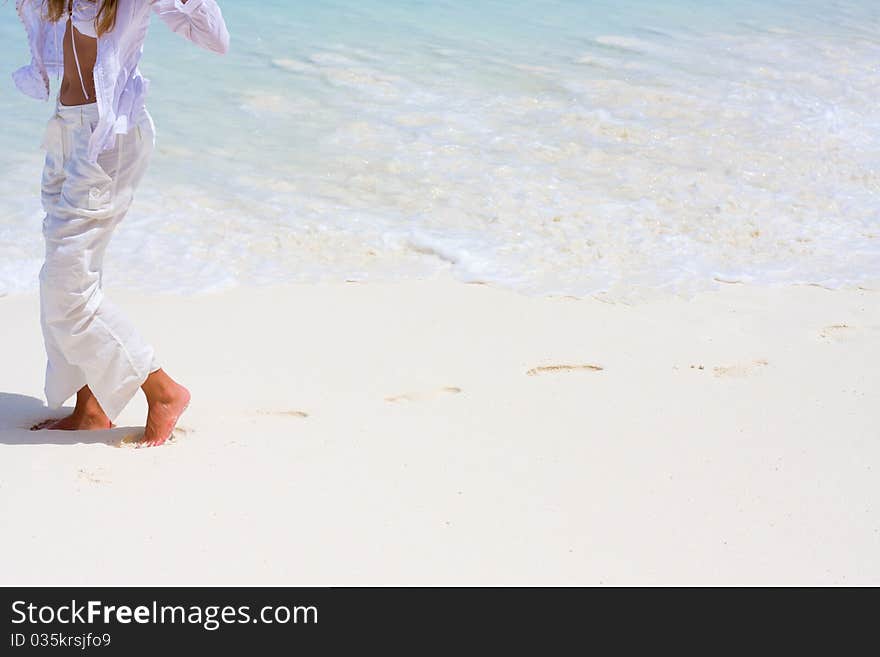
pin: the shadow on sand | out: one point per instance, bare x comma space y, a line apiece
18, 413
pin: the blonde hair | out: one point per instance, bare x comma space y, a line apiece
105, 19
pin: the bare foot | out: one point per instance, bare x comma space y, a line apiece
87, 416
167, 401
79, 422
163, 415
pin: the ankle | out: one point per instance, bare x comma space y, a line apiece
158, 386
163, 394
91, 413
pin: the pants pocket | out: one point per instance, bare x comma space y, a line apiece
88, 189
100, 198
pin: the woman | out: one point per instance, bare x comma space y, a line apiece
97, 146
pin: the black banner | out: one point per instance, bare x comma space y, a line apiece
411, 620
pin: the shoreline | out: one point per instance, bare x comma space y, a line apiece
434, 432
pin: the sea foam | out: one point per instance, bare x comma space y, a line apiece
552, 147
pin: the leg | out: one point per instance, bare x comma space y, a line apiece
83, 329
167, 401
88, 341
62, 378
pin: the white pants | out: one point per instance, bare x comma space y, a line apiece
88, 342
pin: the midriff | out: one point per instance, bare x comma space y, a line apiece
87, 54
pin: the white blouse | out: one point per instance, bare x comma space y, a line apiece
120, 88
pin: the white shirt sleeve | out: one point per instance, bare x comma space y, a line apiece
200, 21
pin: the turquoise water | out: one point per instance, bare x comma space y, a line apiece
553, 147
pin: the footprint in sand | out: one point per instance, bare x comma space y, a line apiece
554, 369
740, 370
837, 332
133, 440
299, 414
423, 396
99, 476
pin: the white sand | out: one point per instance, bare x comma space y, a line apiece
732, 438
